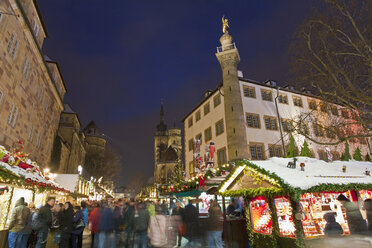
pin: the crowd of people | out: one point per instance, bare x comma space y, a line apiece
119, 223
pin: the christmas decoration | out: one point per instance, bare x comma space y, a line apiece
329, 154
357, 155
344, 169
292, 147
291, 164
346, 155
302, 165
305, 151
368, 172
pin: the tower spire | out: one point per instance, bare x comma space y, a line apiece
161, 127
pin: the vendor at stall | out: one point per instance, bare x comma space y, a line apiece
357, 224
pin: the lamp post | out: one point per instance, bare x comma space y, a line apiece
80, 169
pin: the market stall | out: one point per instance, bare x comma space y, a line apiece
21, 177
285, 205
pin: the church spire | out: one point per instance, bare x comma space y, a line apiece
161, 127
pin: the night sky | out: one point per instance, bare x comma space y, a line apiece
119, 58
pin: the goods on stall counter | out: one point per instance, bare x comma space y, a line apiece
291, 164
285, 220
302, 165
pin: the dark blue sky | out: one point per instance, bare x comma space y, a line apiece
119, 58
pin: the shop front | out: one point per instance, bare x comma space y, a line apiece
285, 207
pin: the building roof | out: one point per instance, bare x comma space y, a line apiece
40, 17
96, 132
68, 109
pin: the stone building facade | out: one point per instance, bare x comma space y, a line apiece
73, 143
167, 150
95, 139
249, 119
31, 85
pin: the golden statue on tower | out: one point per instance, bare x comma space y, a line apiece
225, 25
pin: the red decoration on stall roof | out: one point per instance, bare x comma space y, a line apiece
258, 198
202, 181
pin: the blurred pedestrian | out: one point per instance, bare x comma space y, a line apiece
66, 225
158, 228
17, 224
357, 224
78, 226
27, 231
191, 219
44, 219
106, 228
118, 219
95, 219
129, 222
141, 224
85, 211
368, 208
215, 226
177, 226
332, 228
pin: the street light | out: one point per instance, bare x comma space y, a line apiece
80, 169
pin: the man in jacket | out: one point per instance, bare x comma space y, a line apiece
129, 222
85, 211
18, 221
141, 224
45, 218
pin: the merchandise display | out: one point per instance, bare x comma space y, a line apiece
285, 219
314, 206
365, 194
261, 216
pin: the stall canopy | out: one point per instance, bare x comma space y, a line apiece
275, 178
68, 181
188, 193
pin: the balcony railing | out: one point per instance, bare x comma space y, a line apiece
224, 48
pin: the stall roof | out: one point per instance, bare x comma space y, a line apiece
188, 193
273, 173
68, 181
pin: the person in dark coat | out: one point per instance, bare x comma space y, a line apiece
45, 217
231, 208
368, 208
332, 228
141, 224
357, 224
106, 228
129, 222
215, 226
66, 225
78, 226
191, 218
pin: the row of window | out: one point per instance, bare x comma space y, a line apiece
219, 127
206, 108
266, 95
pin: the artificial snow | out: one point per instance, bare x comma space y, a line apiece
315, 168
68, 181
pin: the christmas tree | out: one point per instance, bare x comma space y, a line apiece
346, 155
305, 151
367, 158
357, 155
291, 148
178, 173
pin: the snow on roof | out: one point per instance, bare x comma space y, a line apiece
317, 171
68, 181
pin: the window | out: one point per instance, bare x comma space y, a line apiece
221, 156
1, 97
287, 125
266, 95
26, 68
38, 140
275, 151
1, 16
36, 28
13, 115
283, 98
362, 140
330, 133
312, 105
345, 113
270, 123
190, 122
324, 107
219, 127
304, 129
30, 136
322, 155
318, 130
10, 44
191, 144
197, 116
256, 151
334, 110
297, 101
208, 134
253, 120
207, 108
217, 100
249, 91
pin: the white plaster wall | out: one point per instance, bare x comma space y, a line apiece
205, 122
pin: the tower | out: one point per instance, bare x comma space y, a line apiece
161, 136
228, 57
